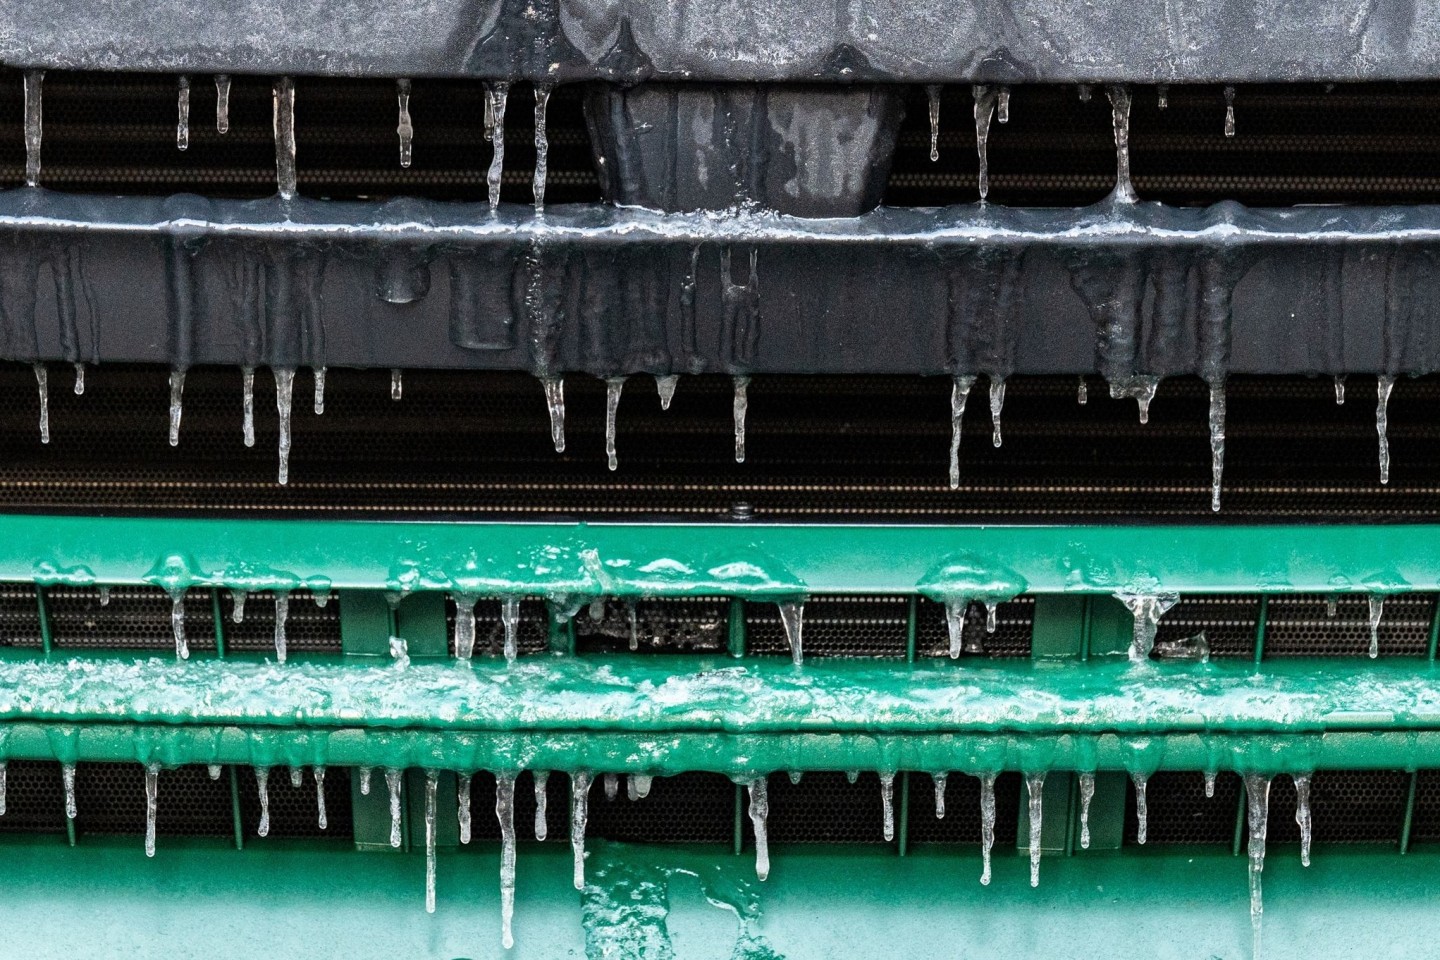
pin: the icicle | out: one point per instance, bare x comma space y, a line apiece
392, 783
665, 386
34, 83
542, 802
852, 775
1332, 606
1142, 388
284, 123
319, 391
759, 811
542, 144
247, 376
462, 802
984, 110
992, 616
940, 781
510, 620
284, 386
1082, 394
400, 652
1035, 788
612, 785
365, 780
1147, 611
1142, 808
1002, 105
489, 122
634, 617
1229, 111
67, 779
177, 394
321, 596
1087, 793
1257, 792
222, 104
1120, 118
432, 783
932, 92
282, 612
464, 625
104, 592
1302, 815
887, 804
322, 819
1162, 96
987, 823
613, 386
1382, 423
1209, 784
42, 381
741, 407
2, 788
955, 625
214, 770
1217, 442
79, 379
397, 384
640, 786
1377, 608
152, 795
795, 776
792, 617
182, 125
1340, 390
579, 814
237, 610
1085, 92
177, 624
499, 93
959, 393
555, 401
997, 403
297, 777
262, 787
632, 793
406, 132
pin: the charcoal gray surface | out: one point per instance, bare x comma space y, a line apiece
806, 151
923, 40
1119, 289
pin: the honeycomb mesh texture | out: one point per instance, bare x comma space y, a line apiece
1300, 625
1425, 828
961, 823
110, 799
1346, 806
1013, 624
1180, 813
34, 797
1228, 622
532, 633
683, 625
309, 627
19, 616
134, 618
832, 627
485, 825
294, 811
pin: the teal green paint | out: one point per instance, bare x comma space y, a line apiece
1261, 619
43, 613
1409, 813
739, 838
736, 624
365, 623
371, 813
447, 823
1107, 813
1085, 631
1058, 627
420, 620
902, 829
912, 627
1238, 843
560, 630
563, 562
1111, 629
235, 816
1054, 814
1434, 632
217, 615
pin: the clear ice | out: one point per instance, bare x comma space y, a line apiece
214, 770
104, 592
555, 402
42, 381
1142, 808
397, 384
1082, 393
462, 805
1217, 442
67, 780
955, 625
297, 777
284, 123
365, 773
1377, 609
665, 386
1162, 96
932, 93
262, 787
579, 814
1332, 605
319, 390
1340, 390
759, 811
542, 144
1087, 793
1209, 784
1120, 117
984, 110
959, 393
222, 103
322, 818
499, 93
987, 823
152, 793
510, 619
505, 813
177, 394
1142, 388
1382, 424
79, 379
1229, 111
282, 613
887, 803
464, 625
992, 616
1035, 790
432, 783
792, 616
2, 788
284, 387
940, 781
740, 407
542, 797
247, 404
177, 624
405, 129
392, 783
611, 784
34, 84
1147, 609
613, 386
1257, 794
1302, 815
237, 610
639, 785
182, 125
997, 403
1002, 105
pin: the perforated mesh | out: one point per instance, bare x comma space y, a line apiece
1228, 622
684, 625
1425, 827
1346, 806
1180, 813
485, 826
824, 808
19, 616
1014, 622
1300, 625
34, 798
962, 809
110, 799
832, 627
294, 812
532, 633
309, 628
689, 808
135, 618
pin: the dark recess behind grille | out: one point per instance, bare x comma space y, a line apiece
1300, 143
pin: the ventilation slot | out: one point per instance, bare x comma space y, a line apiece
135, 618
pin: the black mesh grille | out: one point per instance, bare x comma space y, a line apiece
134, 618
1228, 622
824, 808
1011, 638
833, 627
532, 633
1179, 812
686, 625
485, 826
1300, 625
1425, 827
962, 809
294, 812
34, 798
110, 799
19, 616
689, 808
309, 627
1346, 806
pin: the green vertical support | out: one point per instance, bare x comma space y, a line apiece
1239, 838
371, 813
216, 613
447, 818
902, 829
1107, 813
1055, 814
1112, 628
736, 640
1409, 812
739, 836
235, 809
1434, 629
1057, 631
1260, 621
420, 620
912, 627
365, 624
43, 612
